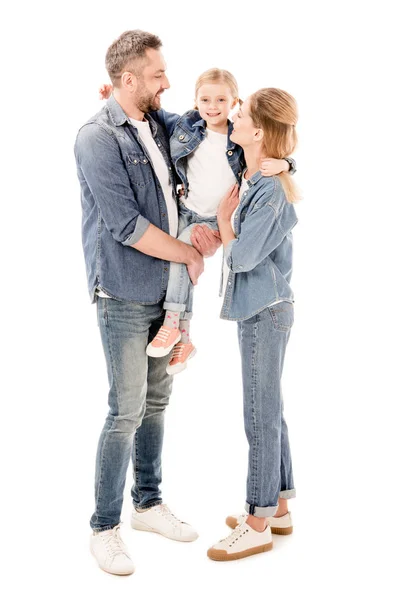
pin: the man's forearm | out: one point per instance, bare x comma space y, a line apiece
159, 244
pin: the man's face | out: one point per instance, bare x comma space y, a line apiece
152, 81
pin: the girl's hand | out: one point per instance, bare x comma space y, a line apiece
105, 91
228, 204
273, 166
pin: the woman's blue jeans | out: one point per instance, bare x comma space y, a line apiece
262, 341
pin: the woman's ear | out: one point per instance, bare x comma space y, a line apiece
258, 136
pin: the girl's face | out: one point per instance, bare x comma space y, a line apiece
215, 101
244, 133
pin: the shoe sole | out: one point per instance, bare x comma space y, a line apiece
111, 572
223, 555
160, 352
233, 523
181, 366
141, 527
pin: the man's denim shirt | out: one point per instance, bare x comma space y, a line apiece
186, 133
260, 258
121, 196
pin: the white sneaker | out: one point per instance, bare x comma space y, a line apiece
111, 553
160, 519
279, 525
243, 541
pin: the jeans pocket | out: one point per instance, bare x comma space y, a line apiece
282, 315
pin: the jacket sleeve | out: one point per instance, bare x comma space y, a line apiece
102, 174
167, 119
260, 234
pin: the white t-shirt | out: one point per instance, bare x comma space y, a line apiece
209, 175
162, 172
243, 188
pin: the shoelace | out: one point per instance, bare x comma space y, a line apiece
162, 334
236, 534
114, 544
177, 351
165, 512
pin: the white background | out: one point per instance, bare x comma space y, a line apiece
340, 61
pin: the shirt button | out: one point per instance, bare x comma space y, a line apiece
135, 162
163, 215
159, 145
181, 137
165, 269
229, 283
240, 174
230, 152
170, 168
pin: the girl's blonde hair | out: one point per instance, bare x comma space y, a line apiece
218, 76
275, 112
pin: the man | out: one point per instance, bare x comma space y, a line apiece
129, 227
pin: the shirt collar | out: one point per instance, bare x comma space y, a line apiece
119, 117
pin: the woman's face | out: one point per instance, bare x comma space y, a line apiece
215, 101
244, 131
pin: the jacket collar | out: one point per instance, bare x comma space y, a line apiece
119, 117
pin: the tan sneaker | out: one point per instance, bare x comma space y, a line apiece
279, 525
181, 354
243, 541
163, 342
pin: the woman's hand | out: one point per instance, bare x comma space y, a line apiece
273, 166
105, 91
205, 240
228, 204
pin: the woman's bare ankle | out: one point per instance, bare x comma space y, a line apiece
257, 523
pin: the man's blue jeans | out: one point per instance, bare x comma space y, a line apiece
139, 392
262, 341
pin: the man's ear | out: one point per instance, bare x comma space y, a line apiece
129, 81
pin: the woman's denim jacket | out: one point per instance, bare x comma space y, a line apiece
186, 133
260, 258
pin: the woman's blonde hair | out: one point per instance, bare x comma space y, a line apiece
218, 76
275, 112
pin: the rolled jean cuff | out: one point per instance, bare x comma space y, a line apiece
150, 504
260, 511
287, 494
104, 528
174, 306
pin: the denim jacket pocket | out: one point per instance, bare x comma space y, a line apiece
282, 315
139, 168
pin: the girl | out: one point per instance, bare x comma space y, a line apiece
255, 227
208, 163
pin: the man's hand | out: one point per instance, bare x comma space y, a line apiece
205, 240
195, 266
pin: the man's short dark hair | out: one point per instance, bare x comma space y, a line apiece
129, 50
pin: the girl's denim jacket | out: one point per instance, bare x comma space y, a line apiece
186, 133
260, 258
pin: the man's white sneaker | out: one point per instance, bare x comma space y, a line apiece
111, 553
159, 519
243, 541
279, 525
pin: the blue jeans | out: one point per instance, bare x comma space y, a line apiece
262, 342
179, 296
139, 392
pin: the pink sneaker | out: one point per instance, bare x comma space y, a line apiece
164, 341
181, 354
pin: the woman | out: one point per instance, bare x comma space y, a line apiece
255, 226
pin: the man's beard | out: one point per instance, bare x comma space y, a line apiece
146, 102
